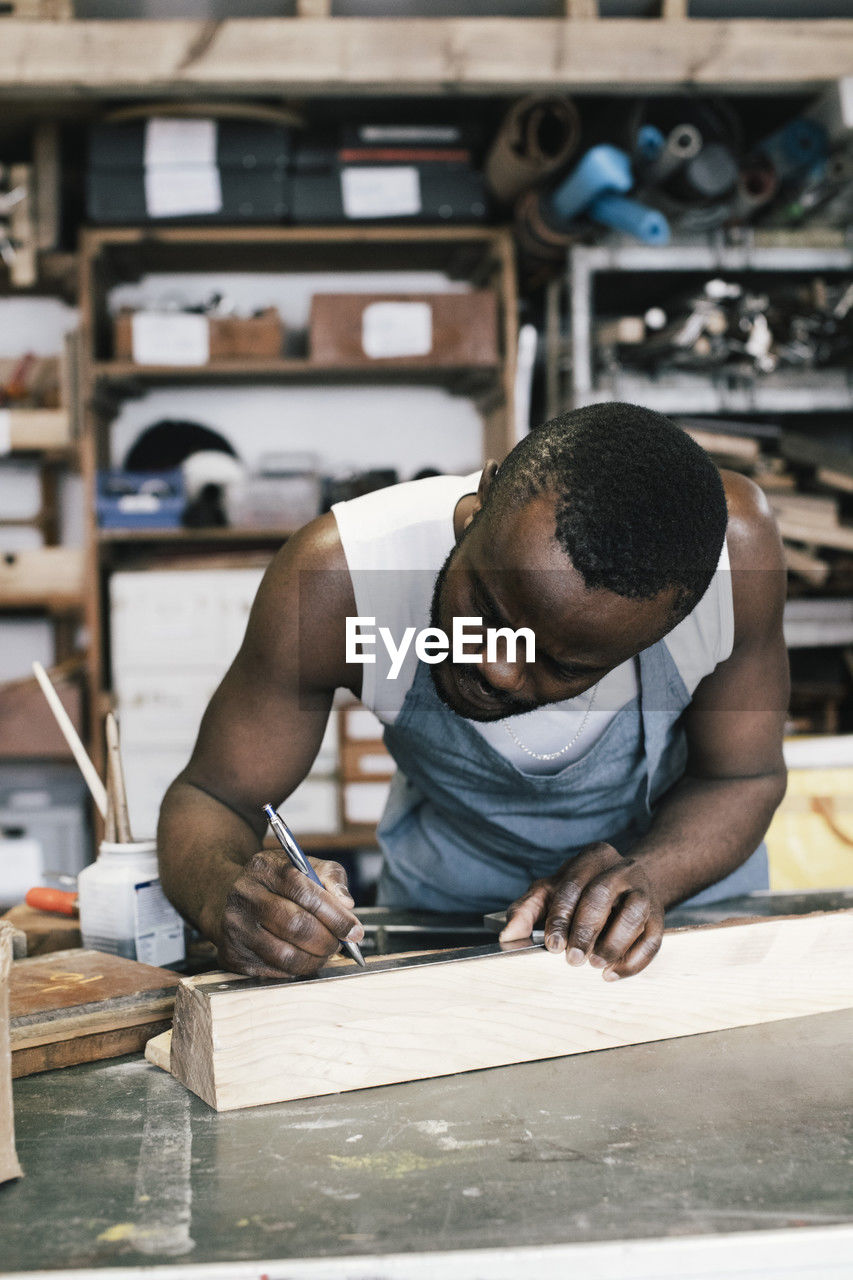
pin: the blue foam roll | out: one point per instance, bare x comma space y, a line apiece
650, 142
800, 144
639, 220
603, 168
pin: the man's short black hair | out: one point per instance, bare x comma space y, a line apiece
640, 506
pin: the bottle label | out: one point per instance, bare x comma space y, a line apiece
158, 927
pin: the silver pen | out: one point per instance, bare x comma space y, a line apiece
287, 840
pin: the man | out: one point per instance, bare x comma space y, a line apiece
632, 761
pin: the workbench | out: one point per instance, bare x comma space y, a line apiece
726, 1153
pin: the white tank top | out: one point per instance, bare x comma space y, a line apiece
396, 540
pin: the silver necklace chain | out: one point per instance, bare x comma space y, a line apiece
552, 755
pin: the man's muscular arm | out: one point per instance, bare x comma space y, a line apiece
257, 741
610, 909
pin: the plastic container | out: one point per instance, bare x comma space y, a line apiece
123, 909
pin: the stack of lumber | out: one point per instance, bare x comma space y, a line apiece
809, 485
81, 1006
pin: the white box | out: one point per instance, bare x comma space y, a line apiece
361, 725
364, 802
327, 760
313, 808
148, 774
179, 617
163, 708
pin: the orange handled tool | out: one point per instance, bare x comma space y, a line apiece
59, 901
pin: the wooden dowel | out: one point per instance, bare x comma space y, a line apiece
90, 776
110, 832
116, 778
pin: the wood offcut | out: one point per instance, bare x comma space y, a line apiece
81, 1006
9, 1167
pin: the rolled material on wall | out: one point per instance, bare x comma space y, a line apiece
601, 170
538, 136
638, 220
650, 143
757, 185
682, 144
799, 145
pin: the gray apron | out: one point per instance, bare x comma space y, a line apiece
465, 830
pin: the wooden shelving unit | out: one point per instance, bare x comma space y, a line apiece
482, 256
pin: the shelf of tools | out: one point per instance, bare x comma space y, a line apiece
727, 303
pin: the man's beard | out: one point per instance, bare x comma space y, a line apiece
467, 676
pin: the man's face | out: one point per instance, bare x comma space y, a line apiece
509, 570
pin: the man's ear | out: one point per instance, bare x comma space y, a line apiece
489, 472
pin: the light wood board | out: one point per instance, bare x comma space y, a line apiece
405, 55
9, 1167
238, 1045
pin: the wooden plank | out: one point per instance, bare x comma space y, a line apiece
808, 507
834, 479
94, 1047
44, 10
742, 448
399, 56
44, 932
806, 566
673, 9
69, 1006
238, 1045
9, 1167
581, 9
813, 534
158, 1050
314, 8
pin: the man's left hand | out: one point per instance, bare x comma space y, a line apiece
599, 907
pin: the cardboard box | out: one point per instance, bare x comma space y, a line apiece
426, 329
259, 337
53, 574
28, 727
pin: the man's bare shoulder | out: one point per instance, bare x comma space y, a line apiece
302, 605
756, 556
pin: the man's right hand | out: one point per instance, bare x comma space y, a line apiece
276, 921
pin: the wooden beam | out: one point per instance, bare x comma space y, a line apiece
9, 1167
581, 9
399, 56
673, 9
239, 1044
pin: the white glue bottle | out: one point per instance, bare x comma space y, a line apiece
123, 909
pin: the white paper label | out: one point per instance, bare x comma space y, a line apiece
396, 329
170, 338
173, 191
170, 140
392, 191
5, 431
158, 928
